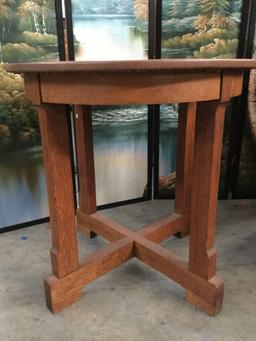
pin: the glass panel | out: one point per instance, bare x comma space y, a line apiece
199, 29
27, 33
115, 30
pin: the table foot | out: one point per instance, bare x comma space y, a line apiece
57, 299
211, 308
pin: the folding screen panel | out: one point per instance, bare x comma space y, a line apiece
106, 30
27, 33
246, 185
115, 30
193, 29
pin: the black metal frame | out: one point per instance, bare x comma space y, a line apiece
154, 52
155, 27
156, 17
60, 30
70, 35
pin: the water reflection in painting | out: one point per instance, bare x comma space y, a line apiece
120, 147
115, 30
22, 196
109, 38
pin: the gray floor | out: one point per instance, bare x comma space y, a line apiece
132, 302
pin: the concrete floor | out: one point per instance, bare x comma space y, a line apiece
132, 302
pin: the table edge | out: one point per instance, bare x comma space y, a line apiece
163, 65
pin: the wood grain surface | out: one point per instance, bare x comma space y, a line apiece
164, 65
204, 88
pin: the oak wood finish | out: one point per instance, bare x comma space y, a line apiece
157, 232
56, 152
100, 87
153, 66
67, 290
86, 172
184, 162
163, 228
202, 252
203, 87
32, 87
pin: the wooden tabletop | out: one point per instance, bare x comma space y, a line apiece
163, 65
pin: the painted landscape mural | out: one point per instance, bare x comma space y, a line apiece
194, 29
115, 30
103, 30
27, 33
200, 28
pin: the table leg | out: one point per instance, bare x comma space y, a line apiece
85, 158
57, 161
206, 169
184, 163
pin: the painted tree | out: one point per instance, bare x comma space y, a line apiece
47, 15
36, 15
7, 11
177, 8
192, 8
141, 9
235, 6
165, 9
213, 14
124, 7
111, 6
215, 31
214, 7
30, 10
44, 11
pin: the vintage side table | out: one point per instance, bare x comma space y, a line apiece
203, 87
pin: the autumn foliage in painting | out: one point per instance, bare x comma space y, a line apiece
141, 9
201, 28
18, 122
27, 33
27, 30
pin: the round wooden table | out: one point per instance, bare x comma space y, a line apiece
203, 88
